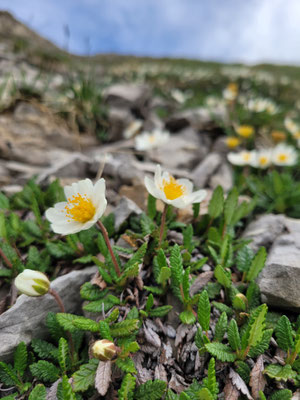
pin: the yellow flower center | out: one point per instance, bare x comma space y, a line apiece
246, 156
245, 131
263, 160
278, 136
297, 135
152, 139
80, 208
282, 157
173, 189
232, 142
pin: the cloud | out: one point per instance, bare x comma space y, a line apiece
229, 30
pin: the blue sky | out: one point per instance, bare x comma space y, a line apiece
249, 31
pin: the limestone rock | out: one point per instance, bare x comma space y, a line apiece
124, 210
202, 173
128, 96
26, 319
223, 176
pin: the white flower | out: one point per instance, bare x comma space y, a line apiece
284, 155
178, 193
262, 105
262, 158
133, 128
241, 158
32, 283
231, 91
151, 140
85, 204
291, 126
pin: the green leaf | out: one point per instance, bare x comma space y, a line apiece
164, 275
127, 388
243, 370
222, 276
151, 390
38, 393
104, 330
204, 394
151, 206
85, 324
263, 345
284, 335
187, 317
176, 271
63, 353
66, 321
99, 305
216, 203
44, 349
244, 258
44, 371
85, 376
3, 230
230, 205
234, 336
257, 264
4, 202
188, 238
210, 382
204, 310
8, 375
279, 372
54, 328
149, 303
284, 394
124, 328
223, 308
171, 395
196, 210
221, 327
255, 329
221, 351
20, 358
91, 292
67, 391
126, 365
253, 295
160, 311
138, 257
147, 225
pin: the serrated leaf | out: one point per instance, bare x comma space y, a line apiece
103, 377
188, 238
280, 373
221, 351
221, 327
284, 394
204, 394
104, 330
223, 308
176, 271
124, 328
8, 375
99, 305
187, 317
164, 275
63, 352
85, 376
257, 264
66, 321
151, 206
222, 277
204, 310
67, 391
126, 365
234, 336
44, 349
85, 324
243, 370
210, 382
160, 311
91, 292
244, 258
216, 203
131, 271
151, 390
284, 335
256, 327
149, 303
20, 358
44, 371
230, 205
38, 393
263, 345
127, 387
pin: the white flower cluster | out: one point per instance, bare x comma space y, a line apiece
280, 155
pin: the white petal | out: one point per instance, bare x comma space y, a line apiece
187, 184
178, 203
152, 189
85, 187
100, 209
157, 176
67, 228
196, 197
98, 193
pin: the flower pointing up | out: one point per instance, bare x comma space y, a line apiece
85, 204
176, 192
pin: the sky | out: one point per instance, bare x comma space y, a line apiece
248, 31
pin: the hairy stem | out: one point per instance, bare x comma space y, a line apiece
162, 224
6, 260
106, 238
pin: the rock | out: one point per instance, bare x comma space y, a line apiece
279, 281
135, 97
118, 120
223, 176
264, 230
25, 320
124, 210
202, 173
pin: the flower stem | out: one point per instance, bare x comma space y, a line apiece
106, 238
58, 300
6, 260
162, 224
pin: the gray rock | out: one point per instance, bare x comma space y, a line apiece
118, 120
198, 118
264, 230
202, 173
223, 177
127, 96
124, 210
279, 281
25, 320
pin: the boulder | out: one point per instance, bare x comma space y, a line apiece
25, 320
135, 97
207, 167
125, 208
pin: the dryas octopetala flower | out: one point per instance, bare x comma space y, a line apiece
151, 140
176, 192
231, 91
241, 158
245, 131
85, 204
284, 155
232, 142
104, 350
32, 283
278, 136
133, 129
291, 125
262, 158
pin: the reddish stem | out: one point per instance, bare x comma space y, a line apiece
106, 238
6, 260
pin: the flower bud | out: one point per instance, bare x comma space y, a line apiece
104, 350
32, 283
